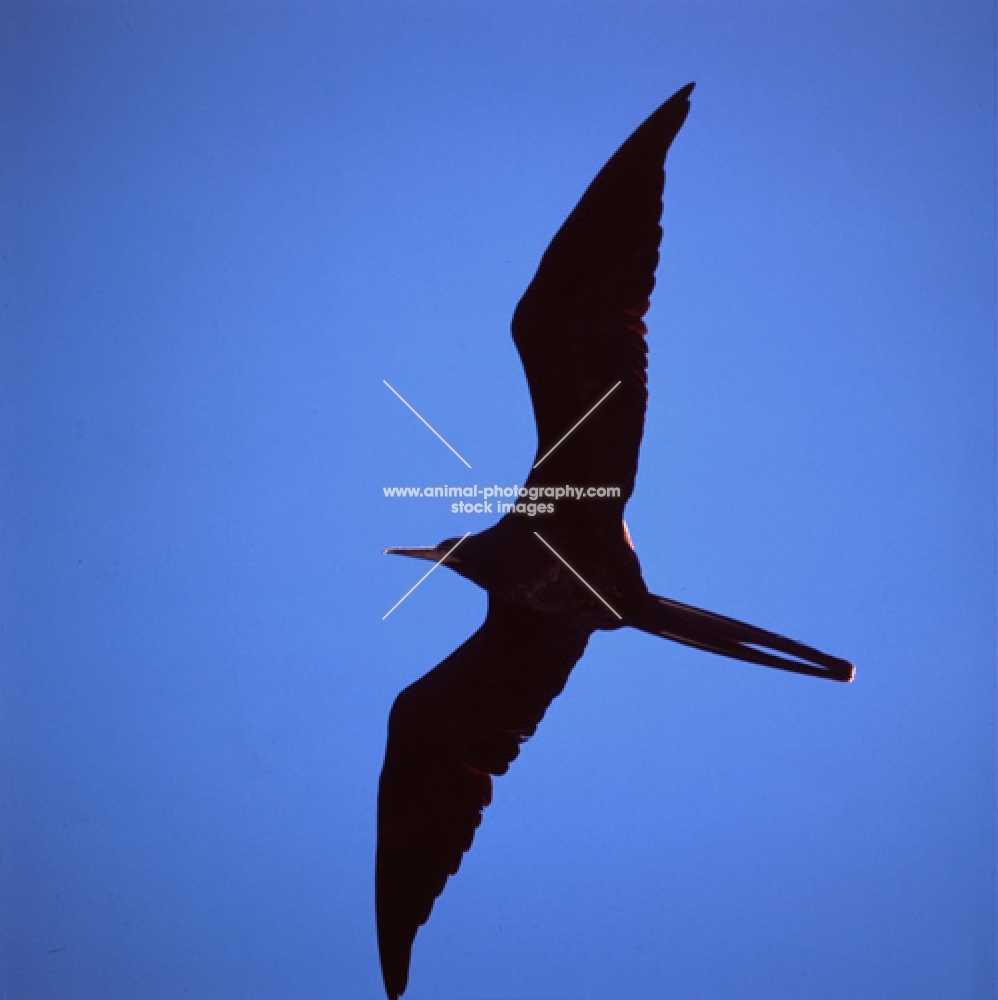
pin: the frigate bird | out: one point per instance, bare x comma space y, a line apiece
553, 580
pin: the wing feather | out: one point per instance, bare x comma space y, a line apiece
579, 327
448, 734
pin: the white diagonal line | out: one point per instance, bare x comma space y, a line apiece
572, 568
442, 438
550, 450
426, 574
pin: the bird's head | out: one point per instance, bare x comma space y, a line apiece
490, 560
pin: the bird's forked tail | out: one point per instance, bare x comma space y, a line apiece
729, 637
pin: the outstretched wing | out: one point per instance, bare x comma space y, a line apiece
447, 735
579, 328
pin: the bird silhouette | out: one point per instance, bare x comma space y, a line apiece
553, 580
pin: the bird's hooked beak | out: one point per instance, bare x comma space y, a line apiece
431, 553
428, 552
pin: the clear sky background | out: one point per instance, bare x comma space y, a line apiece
223, 224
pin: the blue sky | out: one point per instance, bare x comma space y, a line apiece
223, 225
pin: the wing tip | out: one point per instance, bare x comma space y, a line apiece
395, 976
679, 103
664, 123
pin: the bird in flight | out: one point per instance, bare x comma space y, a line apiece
551, 581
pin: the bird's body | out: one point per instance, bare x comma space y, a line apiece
551, 581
